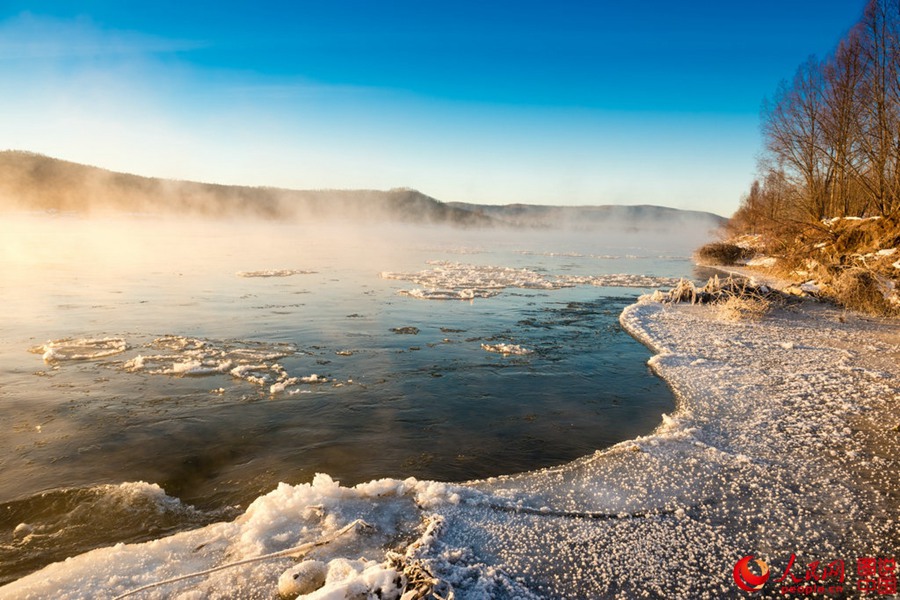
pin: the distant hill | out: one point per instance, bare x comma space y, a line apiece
32, 182
640, 217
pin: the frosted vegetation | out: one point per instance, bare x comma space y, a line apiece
824, 209
780, 444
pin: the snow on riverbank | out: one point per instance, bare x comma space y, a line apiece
782, 443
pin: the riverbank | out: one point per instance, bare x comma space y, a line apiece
784, 443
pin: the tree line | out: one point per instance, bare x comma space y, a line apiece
832, 135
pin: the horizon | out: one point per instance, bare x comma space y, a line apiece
385, 191
582, 105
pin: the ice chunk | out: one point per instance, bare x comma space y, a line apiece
302, 578
80, 349
506, 349
458, 281
274, 273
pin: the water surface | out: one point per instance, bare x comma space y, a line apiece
404, 386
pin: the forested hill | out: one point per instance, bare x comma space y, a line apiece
641, 217
33, 182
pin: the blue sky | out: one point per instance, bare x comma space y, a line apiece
495, 102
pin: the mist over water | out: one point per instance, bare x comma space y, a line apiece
217, 358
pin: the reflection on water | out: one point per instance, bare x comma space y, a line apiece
216, 360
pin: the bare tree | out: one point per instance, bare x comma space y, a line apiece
879, 106
794, 127
842, 77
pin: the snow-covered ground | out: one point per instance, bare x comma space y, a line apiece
784, 442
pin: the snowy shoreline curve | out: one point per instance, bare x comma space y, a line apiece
783, 442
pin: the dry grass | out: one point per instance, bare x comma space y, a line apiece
853, 261
743, 308
735, 299
860, 289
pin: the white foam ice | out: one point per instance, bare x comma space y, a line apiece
192, 357
618, 280
274, 273
458, 281
781, 443
67, 349
181, 356
447, 275
506, 349
461, 294
285, 382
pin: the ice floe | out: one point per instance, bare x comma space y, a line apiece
506, 349
274, 273
782, 443
79, 349
458, 281
185, 356
181, 356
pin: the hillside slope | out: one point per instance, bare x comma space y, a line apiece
33, 182
642, 217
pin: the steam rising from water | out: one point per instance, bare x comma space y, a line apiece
163, 365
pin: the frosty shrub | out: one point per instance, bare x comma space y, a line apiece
860, 289
742, 308
721, 253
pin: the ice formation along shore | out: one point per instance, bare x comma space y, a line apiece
458, 281
781, 444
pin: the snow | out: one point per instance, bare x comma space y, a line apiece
781, 443
834, 220
762, 261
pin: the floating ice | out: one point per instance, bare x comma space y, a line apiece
617, 280
79, 349
458, 281
285, 382
772, 451
408, 330
506, 349
181, 356
458, 276
463, 294
274, 273
192, 357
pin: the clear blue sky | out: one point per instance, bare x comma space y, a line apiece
496, 102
